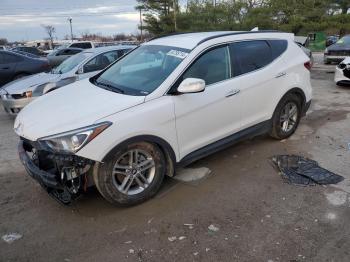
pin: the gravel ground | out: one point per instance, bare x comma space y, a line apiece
242, 212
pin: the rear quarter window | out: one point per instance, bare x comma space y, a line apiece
278, 47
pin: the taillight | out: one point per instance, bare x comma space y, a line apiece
308, 65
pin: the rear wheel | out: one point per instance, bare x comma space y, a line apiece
132, 174
286, 117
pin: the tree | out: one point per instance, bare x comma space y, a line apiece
3, 41
50, 30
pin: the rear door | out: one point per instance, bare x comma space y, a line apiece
256, 66
8, 63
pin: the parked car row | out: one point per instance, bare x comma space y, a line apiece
337, 51
166, 103
18, 94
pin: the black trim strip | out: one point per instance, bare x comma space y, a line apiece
250, 132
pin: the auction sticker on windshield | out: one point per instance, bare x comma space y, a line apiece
178, 54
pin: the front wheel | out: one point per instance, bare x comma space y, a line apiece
286, 117
132, 174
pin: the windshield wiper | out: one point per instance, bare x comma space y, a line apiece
109, 87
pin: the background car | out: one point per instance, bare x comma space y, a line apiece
31, 50
338, 51
2, 47
342, 73
58, 56
331, 40
18, 94
17, 65
80, 44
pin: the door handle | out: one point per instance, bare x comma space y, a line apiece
233, 92
5, 68
280, 74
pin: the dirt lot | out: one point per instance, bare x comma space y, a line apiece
258, 216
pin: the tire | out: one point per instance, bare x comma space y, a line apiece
21, 75
110, 176
280, 130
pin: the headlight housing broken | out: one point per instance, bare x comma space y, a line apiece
73, 141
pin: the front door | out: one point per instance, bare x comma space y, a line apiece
203, 118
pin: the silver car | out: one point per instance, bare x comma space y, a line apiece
19, 93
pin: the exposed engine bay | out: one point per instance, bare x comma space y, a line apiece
63, 176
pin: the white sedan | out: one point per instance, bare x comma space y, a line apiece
21, 92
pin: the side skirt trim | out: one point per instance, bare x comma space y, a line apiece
250, 132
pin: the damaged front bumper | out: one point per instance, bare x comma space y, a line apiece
342, 73
64, 177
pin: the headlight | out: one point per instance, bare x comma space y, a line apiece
326, 51
73, 141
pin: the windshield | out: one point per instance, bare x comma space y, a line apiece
70, 63
143, 70
344, 40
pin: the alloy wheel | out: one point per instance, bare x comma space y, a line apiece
289, 117
133, 172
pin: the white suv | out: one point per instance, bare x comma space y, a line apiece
167, 103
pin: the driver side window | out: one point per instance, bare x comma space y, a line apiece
213, 66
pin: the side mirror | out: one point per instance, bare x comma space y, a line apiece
191, 85
80, 70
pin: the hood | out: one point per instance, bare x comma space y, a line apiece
71, 107
30, 83
336, 47
346, 60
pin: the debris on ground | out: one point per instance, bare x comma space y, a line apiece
213, 228
190, 226
302, 171
172, 239
131, 251
11, 237
182, 238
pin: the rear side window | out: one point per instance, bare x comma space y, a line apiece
278, 47
81, 45
70, 51
248, 56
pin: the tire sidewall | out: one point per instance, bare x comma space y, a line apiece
104, 176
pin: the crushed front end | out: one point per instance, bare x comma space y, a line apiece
342, 72
64, 176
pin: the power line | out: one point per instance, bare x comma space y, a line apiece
69, 14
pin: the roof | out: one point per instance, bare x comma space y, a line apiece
103, 49
191, 40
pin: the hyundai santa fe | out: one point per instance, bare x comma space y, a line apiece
167, 103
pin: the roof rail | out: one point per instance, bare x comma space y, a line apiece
237, 33
171, 34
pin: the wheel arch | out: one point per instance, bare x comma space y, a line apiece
299, 93
164, 146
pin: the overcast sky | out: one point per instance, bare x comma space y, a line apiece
22, 19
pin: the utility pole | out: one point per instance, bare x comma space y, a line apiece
71, 29
175, 5
141, 37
